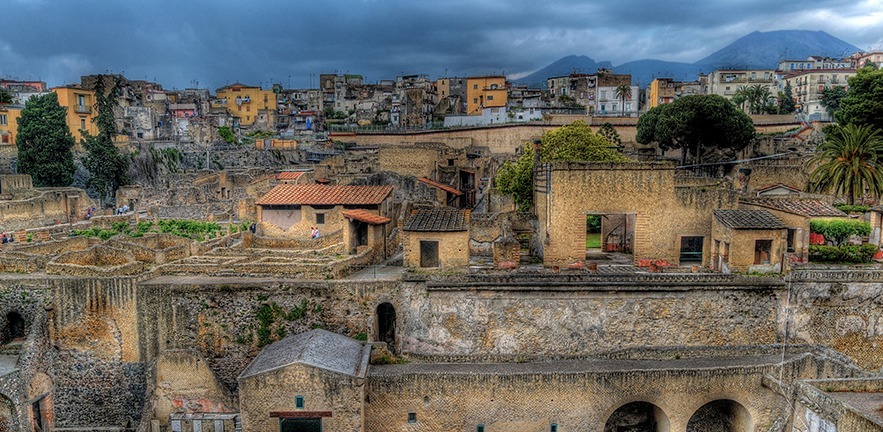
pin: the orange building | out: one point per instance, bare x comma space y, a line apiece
245, 102
79, 104
9, 115
485, 92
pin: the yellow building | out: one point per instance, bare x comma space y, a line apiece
443, 87
79, 103
485, 92
9, 115
245, 102
662, 91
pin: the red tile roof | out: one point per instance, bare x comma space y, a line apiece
441, 186
289, 175
365, 216
802, 207
317, 194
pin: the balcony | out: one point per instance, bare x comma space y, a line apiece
83, 109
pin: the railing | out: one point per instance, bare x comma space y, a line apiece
83, 109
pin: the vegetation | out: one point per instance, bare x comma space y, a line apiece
5, 97
862, 104
831, 98
852, 208
623, 92
849, 162
45, 143
195, 230
227, 134
608, 131
786, 100
698, 124
108, 169
757, 97
574, 142
838, 231
843, 254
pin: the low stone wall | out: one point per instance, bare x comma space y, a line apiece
157, 249
256, 241
97, 261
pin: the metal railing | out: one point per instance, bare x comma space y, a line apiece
83, 109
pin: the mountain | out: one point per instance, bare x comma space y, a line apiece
757, 50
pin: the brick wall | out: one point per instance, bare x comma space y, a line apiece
453, 248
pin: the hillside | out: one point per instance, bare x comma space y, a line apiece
755, 50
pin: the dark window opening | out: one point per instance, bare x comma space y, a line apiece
15, 327
428, 253
691, 249
791, 233
37, 415
299, 402
300, 425
412, 417
320, 218
762, 251
479, 428
553, 427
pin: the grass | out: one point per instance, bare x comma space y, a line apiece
593, 240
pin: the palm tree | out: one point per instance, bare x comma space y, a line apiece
623, 92
849, 161
740, 97
759, 96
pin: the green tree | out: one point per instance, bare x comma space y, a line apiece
831, 98
697, 124
608, 131
108, 169
574, 142
5, 96
45, 142
863, 104
786, 100
849, 162
623, 92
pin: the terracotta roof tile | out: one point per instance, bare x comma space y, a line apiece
365, 216
317, 194
441, 186
798, 206
437, 219
748, 219
289, 175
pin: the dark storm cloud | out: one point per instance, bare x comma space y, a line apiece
215, 42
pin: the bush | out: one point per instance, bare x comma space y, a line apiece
852, 208
843, 254
839, 230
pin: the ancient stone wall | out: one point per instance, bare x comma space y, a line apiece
453, 249
48, 206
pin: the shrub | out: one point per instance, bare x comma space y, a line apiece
839, 230
852, 208
843, 254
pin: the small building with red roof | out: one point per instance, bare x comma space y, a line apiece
291, 210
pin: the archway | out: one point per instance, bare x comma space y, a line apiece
637, 417
386, 325
7, 415
15, 327
722, 415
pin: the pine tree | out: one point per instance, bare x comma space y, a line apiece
108, 169
45, 142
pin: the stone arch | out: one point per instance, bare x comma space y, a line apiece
721, 415
386, 324
15, 327
638, 416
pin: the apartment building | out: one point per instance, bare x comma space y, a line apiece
807, 87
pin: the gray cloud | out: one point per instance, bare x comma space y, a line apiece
215, 42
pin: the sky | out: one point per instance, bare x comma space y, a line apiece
210, 43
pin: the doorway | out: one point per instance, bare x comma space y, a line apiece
386, 325
691, 250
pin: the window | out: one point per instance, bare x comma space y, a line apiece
474, 100
83, 123
320, 218
479, 428
81, 100
691, 249
428, 253
490, 97
475, 86
412, 417
299, 402
791, 233
762, 251
3, 120
553, 427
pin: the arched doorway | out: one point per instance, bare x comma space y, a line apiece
15, 327
637, 417
386, 325
722, 415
